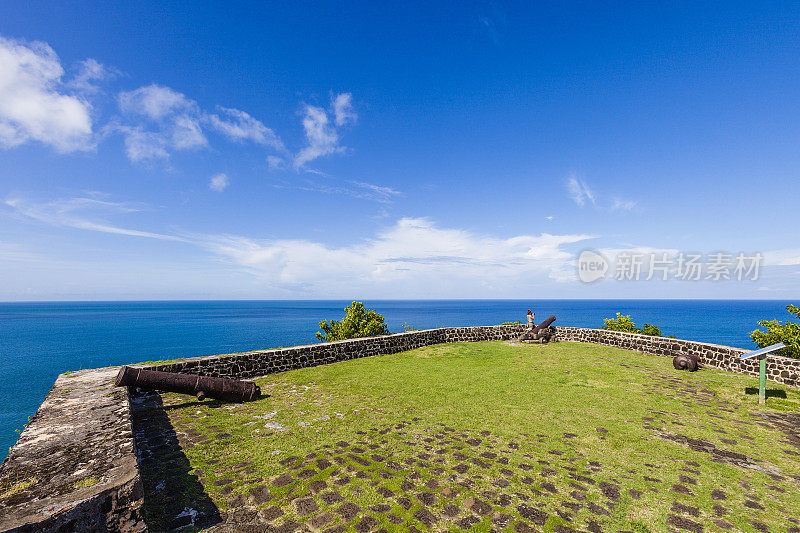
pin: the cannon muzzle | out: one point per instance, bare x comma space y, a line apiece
229, 390
543, 325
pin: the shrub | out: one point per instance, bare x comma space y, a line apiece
515, 323
624, 323
357, 322
788, 333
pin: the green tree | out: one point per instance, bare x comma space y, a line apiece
788, 333
357, 322
624, 323
621, 323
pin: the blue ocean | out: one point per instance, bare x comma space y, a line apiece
38, 341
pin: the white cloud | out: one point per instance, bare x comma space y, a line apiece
321, 133
782, 257
156, 102
79, 213
168, 120
321, 136
240, 126
579, 191
548, 218
143, 145
219, 182
414, 253
32, 104
343, 109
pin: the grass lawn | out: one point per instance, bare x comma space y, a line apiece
480, 436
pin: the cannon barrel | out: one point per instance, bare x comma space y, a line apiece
231, 390
543, 325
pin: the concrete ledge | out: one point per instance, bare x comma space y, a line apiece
74, 466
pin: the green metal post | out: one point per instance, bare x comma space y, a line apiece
762, 379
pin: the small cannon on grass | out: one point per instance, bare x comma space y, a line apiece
542, 333
685, 361
229, 390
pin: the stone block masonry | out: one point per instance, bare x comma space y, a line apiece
780, 369
262, 362
75, 466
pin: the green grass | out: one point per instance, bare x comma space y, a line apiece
562, 410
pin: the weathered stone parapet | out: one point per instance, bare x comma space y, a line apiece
780, 369
263, 362
74, 466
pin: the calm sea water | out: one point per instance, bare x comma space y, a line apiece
38, 341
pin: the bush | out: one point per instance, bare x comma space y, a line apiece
357, 322
515, 323
788, 333
624, 323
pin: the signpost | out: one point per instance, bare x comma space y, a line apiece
762, 367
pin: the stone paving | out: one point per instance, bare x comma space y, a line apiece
415, 476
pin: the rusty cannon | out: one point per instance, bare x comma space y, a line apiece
542, 333
229, 390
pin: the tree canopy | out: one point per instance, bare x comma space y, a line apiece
788, 333
357, 322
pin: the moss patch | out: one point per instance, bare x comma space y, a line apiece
86, 482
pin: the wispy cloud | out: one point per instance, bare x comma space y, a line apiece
90, 76
168, 121
160, 120
34, 104
219, 182
240, 126
343, 109
618, 204
82, 213
579, 191
353, 189
321, 129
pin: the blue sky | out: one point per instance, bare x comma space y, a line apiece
374, 150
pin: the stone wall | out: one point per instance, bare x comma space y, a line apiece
262, 362
780, 369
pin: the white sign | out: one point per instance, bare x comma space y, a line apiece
762, 351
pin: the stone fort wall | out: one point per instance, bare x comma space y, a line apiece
262, 362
